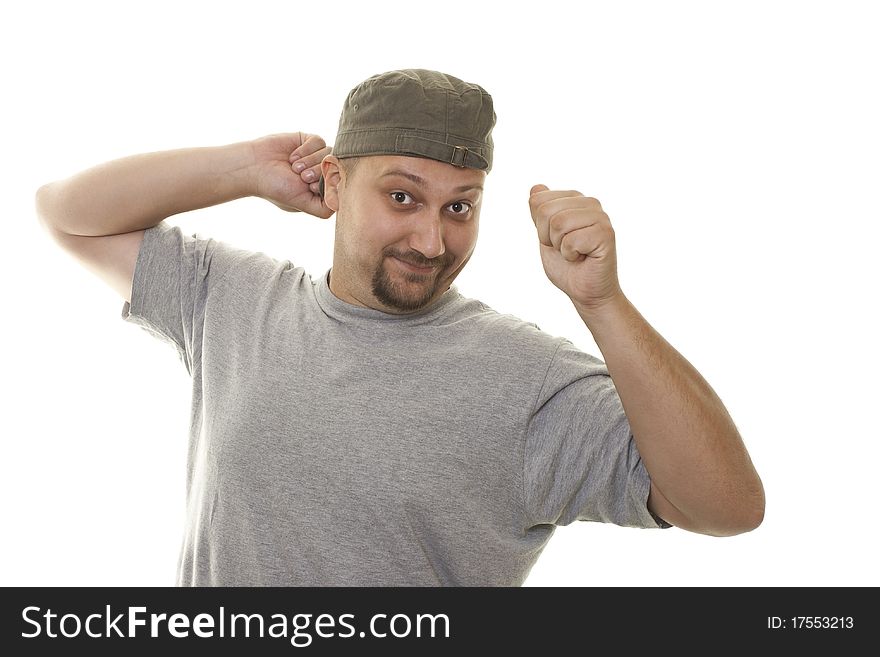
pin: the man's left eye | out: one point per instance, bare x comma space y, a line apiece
460, 207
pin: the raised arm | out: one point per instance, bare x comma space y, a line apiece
702, 478
99, 215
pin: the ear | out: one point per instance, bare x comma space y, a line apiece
331, 177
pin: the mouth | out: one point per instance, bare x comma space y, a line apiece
410, 267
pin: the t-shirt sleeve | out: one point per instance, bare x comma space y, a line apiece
580, 461
173, 278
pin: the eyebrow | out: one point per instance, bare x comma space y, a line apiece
421, 181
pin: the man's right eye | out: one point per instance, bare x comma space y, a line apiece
400, 197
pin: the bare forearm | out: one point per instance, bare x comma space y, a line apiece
138, 192
687, 439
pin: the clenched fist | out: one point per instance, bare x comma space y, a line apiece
286, 171
577, 246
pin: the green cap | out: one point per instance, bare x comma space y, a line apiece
420, 113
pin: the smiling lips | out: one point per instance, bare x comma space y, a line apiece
415, 268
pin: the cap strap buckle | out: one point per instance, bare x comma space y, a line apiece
459, 156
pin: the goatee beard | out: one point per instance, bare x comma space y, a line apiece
416, 290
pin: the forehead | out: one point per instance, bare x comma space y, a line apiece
424, 172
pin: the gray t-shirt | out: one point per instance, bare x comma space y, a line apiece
335, 445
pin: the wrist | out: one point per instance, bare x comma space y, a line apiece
607, 315
236, 170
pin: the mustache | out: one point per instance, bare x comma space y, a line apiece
419, 260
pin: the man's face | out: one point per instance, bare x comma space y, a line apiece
405, 228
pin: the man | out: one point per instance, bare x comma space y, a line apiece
373, 426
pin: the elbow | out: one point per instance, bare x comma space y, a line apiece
53, 209
43, 203
744, 515
746, 522
755, 510
753, 505
60, 208
726, 510
730, 513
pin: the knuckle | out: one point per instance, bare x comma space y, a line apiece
545, 213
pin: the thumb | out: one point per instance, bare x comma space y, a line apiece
538, 188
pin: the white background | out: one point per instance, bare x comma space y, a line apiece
733, 144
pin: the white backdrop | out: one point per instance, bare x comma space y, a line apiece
733, 144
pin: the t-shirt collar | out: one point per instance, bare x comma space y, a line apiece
342, 310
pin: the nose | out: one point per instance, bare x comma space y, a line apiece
427, 235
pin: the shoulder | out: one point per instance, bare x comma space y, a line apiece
220, 263
503, 331
565, 361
